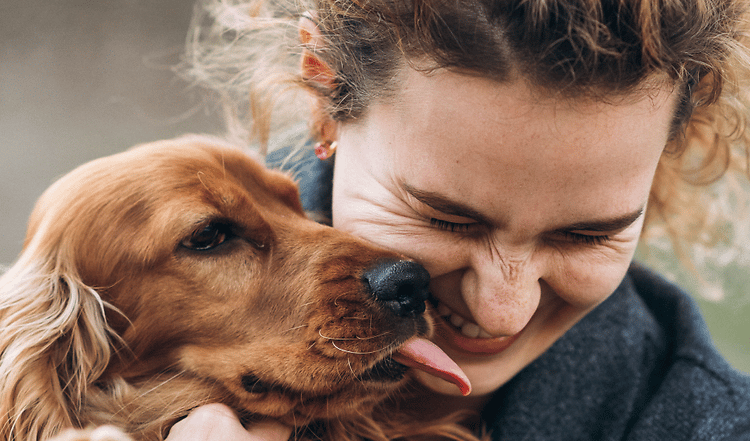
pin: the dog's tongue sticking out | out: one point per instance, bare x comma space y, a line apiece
422, 354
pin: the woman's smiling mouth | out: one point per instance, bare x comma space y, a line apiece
466, 336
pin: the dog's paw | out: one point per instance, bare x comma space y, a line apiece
102, 433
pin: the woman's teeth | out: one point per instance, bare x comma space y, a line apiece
467, 328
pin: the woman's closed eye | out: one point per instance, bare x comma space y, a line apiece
570, 236
585, 239
454, 227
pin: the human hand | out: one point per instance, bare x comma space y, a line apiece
217, 422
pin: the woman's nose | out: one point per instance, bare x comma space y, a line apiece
502, 289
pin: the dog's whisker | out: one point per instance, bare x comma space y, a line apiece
161, 384
200, 175
295, 328
320, 333
223, 165
124, 410
355, 352
383, 334
336, 300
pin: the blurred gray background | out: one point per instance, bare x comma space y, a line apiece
82, 79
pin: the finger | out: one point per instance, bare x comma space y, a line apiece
208, 423
270, 431
217, 422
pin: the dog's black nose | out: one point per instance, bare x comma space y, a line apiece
400, 285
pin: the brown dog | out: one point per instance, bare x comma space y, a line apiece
182, 272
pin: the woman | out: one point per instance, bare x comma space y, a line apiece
517, 149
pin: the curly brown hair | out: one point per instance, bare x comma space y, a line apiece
576, 49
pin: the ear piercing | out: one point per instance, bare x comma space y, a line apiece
325, 149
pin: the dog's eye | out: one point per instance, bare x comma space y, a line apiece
208, 237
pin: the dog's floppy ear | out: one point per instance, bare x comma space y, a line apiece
54, 342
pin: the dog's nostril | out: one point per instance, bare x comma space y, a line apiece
400, 285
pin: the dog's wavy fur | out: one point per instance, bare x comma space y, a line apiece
181, 273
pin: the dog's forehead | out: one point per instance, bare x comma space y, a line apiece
220, 173
187, 185
173, 181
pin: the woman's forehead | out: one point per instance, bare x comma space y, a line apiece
487, 116
416, 84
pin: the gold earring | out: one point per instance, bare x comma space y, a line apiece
325, 149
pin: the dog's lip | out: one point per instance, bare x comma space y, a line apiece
386, 370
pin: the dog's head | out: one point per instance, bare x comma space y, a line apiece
210, 270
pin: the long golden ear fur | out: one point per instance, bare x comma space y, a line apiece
54, 343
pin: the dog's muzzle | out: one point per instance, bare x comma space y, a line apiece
401, 286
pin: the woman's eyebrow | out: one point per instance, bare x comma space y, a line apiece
444, 205
606, 225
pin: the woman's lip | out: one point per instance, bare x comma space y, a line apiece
475, 346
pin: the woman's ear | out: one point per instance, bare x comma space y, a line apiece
313, 68
322, 78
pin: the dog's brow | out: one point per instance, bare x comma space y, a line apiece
200, 175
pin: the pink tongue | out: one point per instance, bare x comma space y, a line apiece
424, 355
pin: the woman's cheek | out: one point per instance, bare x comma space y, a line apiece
587, 278
437, 255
